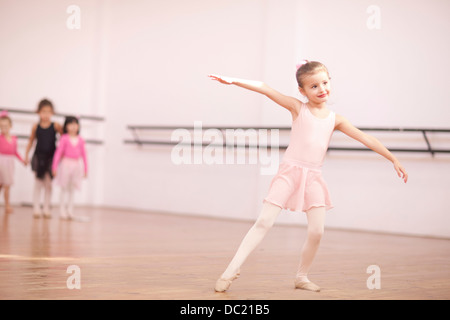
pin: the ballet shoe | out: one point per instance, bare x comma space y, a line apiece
223, 285
47, 215
64, 217
79, 218
306, 285
37, 215
63, 214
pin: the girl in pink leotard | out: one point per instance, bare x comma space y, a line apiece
298, 184
67, 167
8, 153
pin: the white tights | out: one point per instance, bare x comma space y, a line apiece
40, 184
316, 223
266, 219
66, 202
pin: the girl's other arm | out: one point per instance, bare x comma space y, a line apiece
344, 125
30, 143
290, 103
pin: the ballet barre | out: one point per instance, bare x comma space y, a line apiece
81, 117
137, 140
88, 141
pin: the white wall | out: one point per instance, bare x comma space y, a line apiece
145, 62
158, 66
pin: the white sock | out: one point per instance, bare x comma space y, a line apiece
47, 193
70, 202
62, 206
38, 186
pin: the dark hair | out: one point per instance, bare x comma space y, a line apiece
309, 68
45, 103
69, 120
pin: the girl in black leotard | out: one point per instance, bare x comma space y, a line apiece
44, 133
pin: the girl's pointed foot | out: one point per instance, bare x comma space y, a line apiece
223, 285
306, 285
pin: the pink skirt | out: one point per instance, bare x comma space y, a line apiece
70, 173
7, 169
298, 187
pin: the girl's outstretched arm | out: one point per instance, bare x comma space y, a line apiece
290, 103
344, 125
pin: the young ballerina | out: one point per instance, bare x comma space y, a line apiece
44, 132
8, 153
298, 184
67, 167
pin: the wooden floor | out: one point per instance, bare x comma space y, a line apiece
137, 255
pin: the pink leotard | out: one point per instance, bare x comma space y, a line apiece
67, 149
298, 184
9, 147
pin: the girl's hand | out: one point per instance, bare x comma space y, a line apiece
401, 172
224, 80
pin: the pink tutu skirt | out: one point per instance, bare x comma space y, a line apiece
298, 187
7, 169
70, 173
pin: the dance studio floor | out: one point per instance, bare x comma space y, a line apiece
141, 255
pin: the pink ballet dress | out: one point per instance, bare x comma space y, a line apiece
298, 184
66, 162
8, 153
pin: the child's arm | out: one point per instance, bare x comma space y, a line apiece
344, 125
83, 155
30, 143
58, 128
58, 154
290, 103
19, 157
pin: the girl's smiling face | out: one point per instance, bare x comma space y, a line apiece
316, 87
